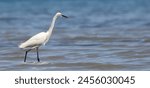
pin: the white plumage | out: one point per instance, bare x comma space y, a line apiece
35, 41
39, 39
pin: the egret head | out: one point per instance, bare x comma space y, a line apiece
60, 14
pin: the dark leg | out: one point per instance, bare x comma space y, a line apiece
26, 55
37, 49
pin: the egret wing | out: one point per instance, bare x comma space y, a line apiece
34, 41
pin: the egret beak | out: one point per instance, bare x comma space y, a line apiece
64, 16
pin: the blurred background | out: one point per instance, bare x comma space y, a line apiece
98, 35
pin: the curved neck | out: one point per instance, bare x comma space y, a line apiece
52, 25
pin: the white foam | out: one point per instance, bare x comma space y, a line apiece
36, 63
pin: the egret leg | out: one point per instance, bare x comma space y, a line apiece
37, 49
26, 55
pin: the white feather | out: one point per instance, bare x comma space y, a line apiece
35, 41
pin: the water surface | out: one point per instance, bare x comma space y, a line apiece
99, 34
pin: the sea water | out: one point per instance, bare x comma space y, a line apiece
98, 35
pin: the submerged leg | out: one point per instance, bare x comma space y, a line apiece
37, 49
26, 55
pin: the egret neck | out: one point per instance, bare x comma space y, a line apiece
49, 32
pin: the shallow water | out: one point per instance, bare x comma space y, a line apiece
99, 34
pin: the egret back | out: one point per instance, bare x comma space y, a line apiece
35, 41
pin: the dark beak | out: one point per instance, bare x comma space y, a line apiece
64, 16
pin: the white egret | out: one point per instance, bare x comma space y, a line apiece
39, 39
